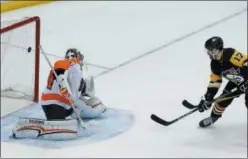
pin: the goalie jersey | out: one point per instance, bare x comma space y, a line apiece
69, 72
233, 66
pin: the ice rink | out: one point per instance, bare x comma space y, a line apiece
153, 57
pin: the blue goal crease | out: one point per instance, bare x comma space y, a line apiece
111, 123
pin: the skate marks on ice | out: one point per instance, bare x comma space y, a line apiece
113, 122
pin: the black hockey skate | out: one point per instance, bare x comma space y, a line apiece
208, 121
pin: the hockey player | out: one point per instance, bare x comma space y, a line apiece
229, 64
69, 88
56, 100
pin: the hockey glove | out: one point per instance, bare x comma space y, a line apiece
205, 103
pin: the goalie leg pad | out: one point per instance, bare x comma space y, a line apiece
89, 108
89, 87
49, 130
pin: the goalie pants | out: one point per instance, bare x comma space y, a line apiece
219, 108
56, 112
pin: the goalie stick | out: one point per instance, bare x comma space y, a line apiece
194, 107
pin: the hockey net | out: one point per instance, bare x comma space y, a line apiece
20, 40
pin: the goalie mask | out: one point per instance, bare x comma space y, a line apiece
74, 55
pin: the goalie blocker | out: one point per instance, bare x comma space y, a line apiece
88, 105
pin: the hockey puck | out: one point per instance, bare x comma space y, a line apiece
29, 49
14, 135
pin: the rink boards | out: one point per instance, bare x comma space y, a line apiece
111, 123
7, 6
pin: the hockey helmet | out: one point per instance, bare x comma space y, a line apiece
74, 55
213, 46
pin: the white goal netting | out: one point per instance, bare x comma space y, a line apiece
18, 59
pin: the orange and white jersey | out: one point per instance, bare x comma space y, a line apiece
70, 75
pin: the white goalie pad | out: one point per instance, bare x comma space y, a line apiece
49, 130
89, 108
90, 86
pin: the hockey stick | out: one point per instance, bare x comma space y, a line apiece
167, 123
216, 100
196, 108
71, 102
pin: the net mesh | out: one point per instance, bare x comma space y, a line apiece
18, 60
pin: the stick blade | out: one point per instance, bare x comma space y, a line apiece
160, 120
188, 105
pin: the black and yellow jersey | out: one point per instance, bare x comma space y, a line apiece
232, 66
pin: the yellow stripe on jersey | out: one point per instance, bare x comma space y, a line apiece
238, 59
215, 78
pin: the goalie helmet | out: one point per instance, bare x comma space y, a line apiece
213, 46
74, 55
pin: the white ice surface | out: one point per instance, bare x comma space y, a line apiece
109, 33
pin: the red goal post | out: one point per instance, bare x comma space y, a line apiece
20, 58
